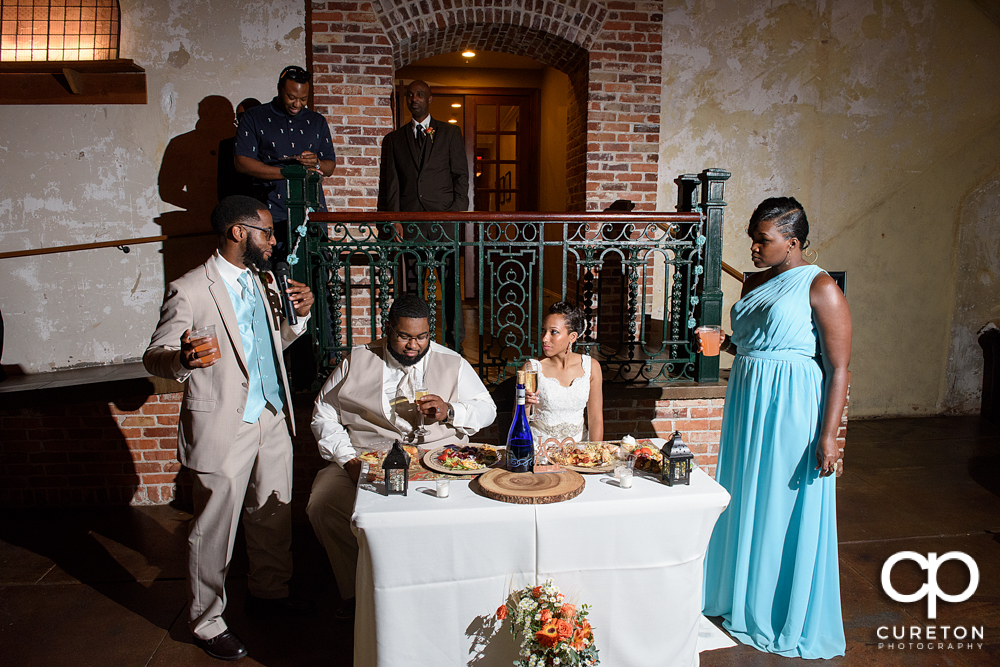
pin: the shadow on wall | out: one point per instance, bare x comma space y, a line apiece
189, 176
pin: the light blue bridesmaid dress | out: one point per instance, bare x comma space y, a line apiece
771, 569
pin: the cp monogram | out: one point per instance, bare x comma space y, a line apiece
930, 590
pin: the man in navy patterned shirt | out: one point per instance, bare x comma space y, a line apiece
279, 133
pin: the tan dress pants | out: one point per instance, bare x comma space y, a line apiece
331, 506
256, 481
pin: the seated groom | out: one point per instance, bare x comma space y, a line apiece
352, 409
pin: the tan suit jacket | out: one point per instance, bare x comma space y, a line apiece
214, 397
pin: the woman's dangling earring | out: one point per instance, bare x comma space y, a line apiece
787, 254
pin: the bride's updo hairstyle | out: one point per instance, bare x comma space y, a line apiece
572, 315
788, 216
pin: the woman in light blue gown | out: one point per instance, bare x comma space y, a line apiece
771, 570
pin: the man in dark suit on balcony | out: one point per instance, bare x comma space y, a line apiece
424, 168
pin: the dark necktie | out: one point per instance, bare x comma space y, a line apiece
421, 137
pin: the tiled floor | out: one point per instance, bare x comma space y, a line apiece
105, 587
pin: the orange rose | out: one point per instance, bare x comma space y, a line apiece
546, 616
549, 635
564, 628
537, 591
502, 612
567, 611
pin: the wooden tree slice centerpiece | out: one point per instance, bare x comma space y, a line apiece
525, 488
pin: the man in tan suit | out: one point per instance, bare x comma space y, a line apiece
233, 432
353, 410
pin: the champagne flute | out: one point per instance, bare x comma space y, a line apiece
418, 393
531, 385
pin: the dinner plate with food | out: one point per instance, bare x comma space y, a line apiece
585, 457
647, 458
471, 459
374, 456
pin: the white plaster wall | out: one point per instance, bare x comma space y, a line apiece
883, 119
78, 174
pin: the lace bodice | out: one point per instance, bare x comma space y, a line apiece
559, 412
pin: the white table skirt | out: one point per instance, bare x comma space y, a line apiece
432, 571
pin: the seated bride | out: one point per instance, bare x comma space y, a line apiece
569, 384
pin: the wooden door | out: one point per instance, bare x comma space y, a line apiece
502, 132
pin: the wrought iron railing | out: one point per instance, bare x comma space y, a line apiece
644, 281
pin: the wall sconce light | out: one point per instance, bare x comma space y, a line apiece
468, 54
59, 30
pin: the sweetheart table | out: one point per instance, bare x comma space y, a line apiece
432, 571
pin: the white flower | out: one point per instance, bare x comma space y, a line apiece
555, 661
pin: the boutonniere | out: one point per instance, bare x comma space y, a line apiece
429, 131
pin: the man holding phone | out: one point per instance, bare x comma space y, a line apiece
279, 133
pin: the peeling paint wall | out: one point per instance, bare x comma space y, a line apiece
80, 174
883, 119
977, 294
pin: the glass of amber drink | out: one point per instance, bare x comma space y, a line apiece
711, 340
205, 339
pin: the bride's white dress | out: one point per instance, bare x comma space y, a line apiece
559, 412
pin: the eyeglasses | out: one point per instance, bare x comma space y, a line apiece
295, 73
268, 231
405, 338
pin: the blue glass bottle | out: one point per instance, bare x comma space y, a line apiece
520, 443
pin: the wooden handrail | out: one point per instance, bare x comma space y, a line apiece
733, 272
520, 216
101, 244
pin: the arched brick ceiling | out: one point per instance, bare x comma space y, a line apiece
558, 34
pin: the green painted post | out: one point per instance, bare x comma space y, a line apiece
687, 193
303, 196
713, 190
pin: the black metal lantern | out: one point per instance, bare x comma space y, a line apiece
675, 468
397, 470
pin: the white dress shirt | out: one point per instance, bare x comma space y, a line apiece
474, 409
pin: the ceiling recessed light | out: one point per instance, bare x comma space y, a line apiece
452, 121
456, 105
468, 54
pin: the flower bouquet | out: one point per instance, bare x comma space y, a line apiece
553, 631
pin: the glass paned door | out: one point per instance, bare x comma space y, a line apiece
502, 144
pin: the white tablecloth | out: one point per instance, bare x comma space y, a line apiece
432, 571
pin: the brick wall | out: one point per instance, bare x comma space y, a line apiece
112, 443
610, 51
103, 444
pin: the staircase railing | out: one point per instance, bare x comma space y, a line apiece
645, 281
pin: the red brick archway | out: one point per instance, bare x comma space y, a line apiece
611, 52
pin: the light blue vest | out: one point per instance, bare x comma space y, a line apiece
258, 347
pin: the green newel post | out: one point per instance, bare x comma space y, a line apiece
687, 193
303, 195
713, 190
